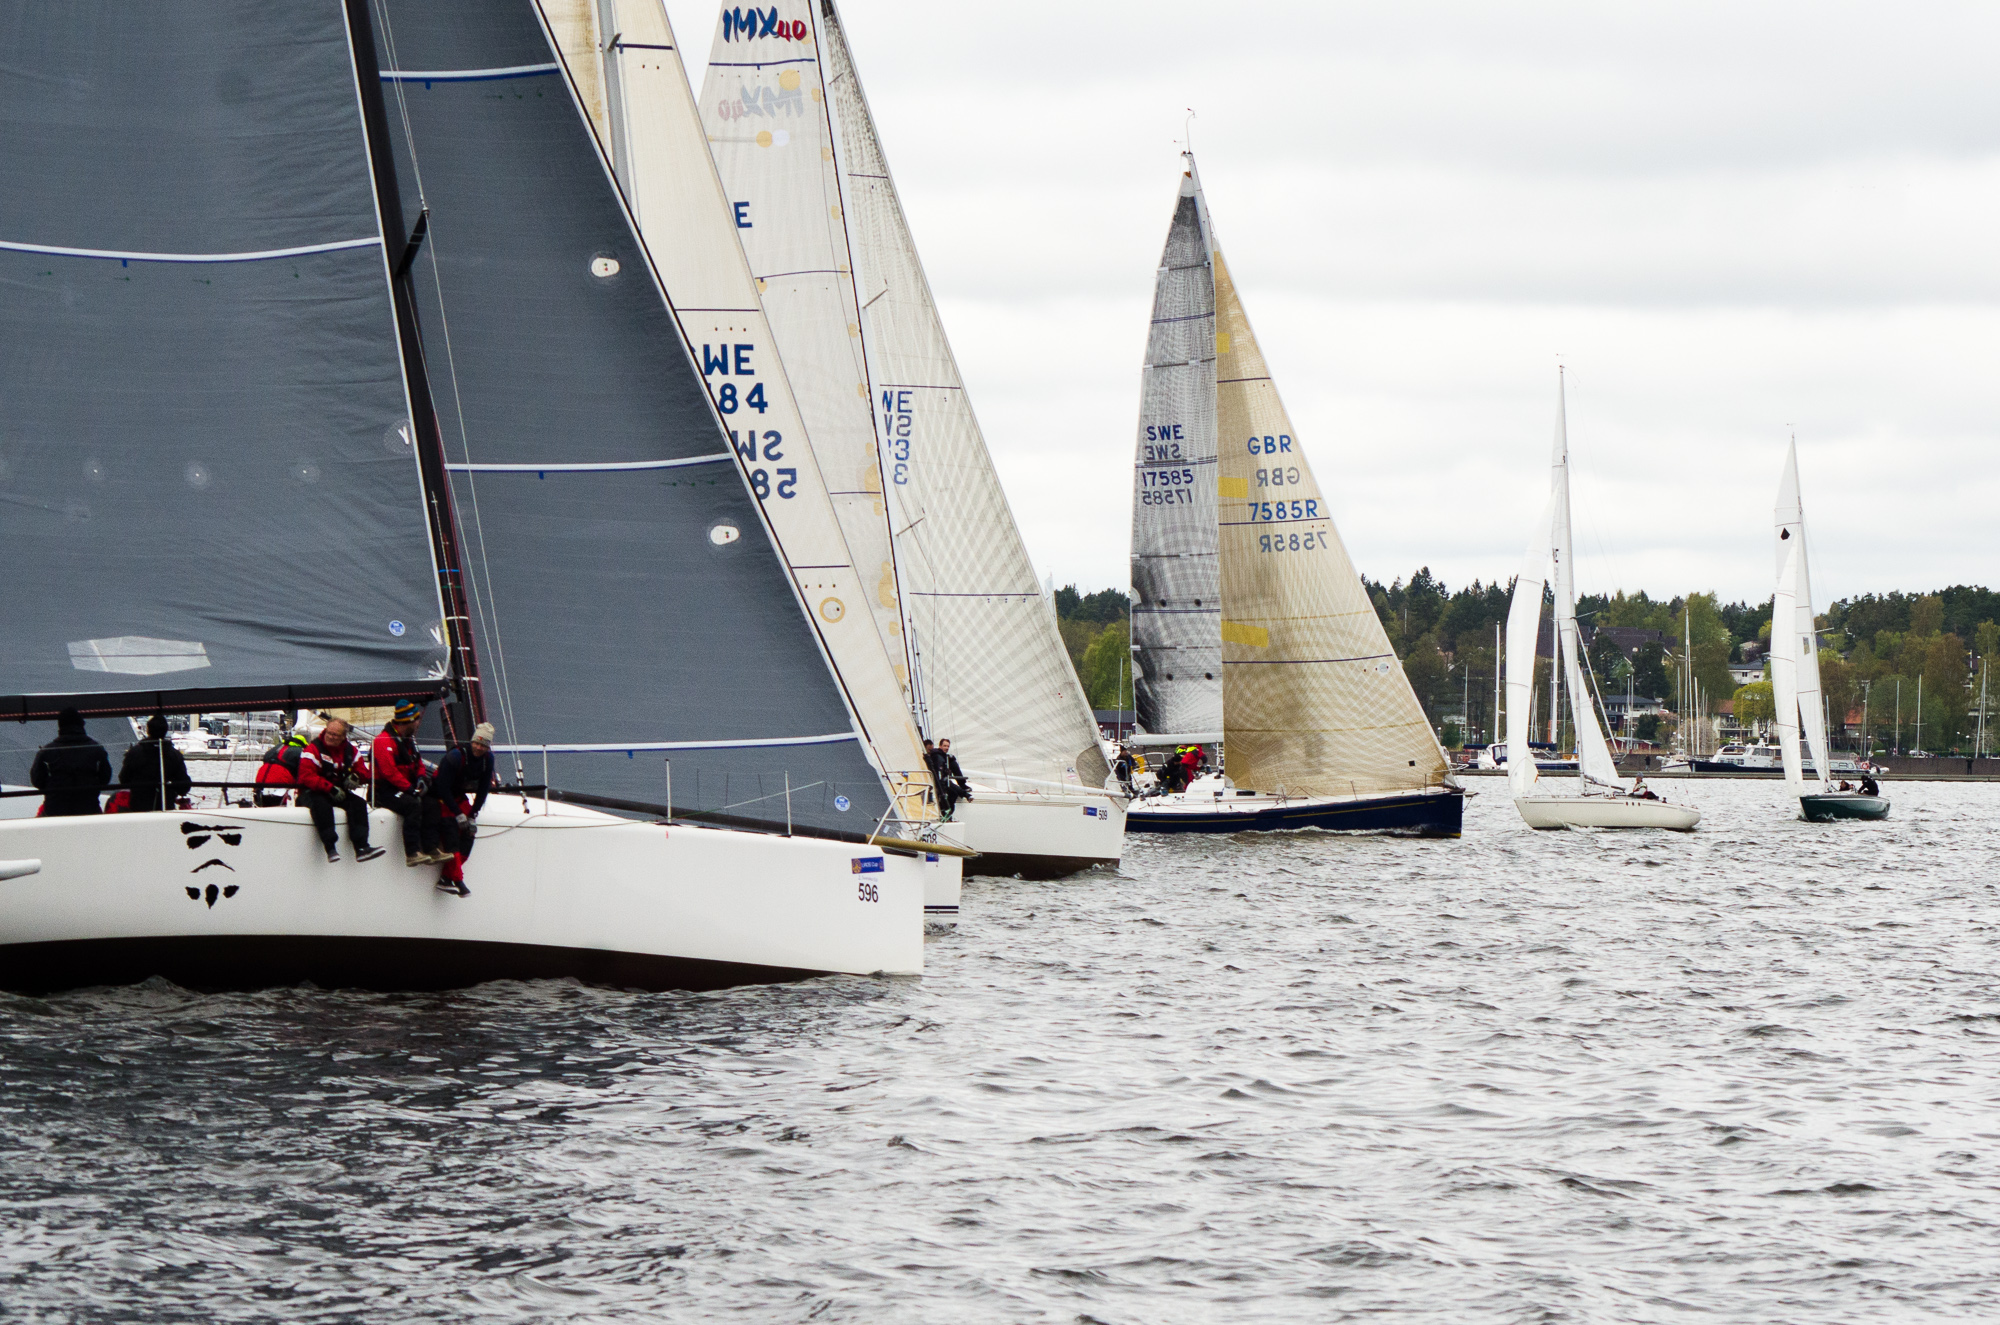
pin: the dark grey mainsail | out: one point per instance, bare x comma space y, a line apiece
207, 496
1176, 578
630, 608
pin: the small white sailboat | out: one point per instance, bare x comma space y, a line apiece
582, 496
1795, 668
1250, 624
955, 595
1605, 800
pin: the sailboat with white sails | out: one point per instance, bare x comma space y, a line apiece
1250, 625
1605, 800
1795, 684
630, 80
954, 593
383, 205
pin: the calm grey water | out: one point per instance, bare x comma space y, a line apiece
1749, 1074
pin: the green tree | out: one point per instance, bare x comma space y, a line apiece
1842, 688
1106, 671
1429, 675
1945, 699
1754, 704
1649, 671
1927, 616
1076, 637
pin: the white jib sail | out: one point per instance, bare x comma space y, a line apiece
1790, 540
1784, 669
996, 677
645, 111
764, 109
1524, 625
1176, 577
1594, 762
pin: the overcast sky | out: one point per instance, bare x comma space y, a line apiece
1730, 221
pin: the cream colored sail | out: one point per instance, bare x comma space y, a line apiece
764, 110
996, 676
638, 97
1314, 700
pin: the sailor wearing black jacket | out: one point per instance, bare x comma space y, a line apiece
464, 776
71, 770
152, 762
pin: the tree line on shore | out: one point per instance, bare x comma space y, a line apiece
1875, 649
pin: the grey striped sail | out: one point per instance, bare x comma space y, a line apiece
1176, 577
210, 499
630, 607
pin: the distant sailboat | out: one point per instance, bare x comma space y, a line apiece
1606, 800
956, 597
1795, 685
570, 543
1251, 625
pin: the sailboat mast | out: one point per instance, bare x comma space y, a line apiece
1493, 726
398, 251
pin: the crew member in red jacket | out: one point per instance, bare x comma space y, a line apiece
401, 777
329, 769
279, 772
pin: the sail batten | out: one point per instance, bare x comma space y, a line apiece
146, 403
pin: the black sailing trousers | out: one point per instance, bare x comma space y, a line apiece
320, 804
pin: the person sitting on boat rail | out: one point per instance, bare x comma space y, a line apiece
401, 776
1869, 787
1640, 791
71, 770
329, 769
280, 769
458, 790
154, 771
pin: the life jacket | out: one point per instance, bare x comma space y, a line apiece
281, 764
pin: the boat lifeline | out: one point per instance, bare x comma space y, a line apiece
266, 292
1605, 800
889, 421
1249, 622
1795, 687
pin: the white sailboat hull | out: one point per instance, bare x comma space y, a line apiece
567, 892
1604, 812
1031, 835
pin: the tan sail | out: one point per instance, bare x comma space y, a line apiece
1315, 702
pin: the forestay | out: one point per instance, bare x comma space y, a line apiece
645, 111
1176, 577
630, 606
1315, 701
210, 495
1594, 762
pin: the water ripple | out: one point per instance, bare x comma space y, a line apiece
1745, 1074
